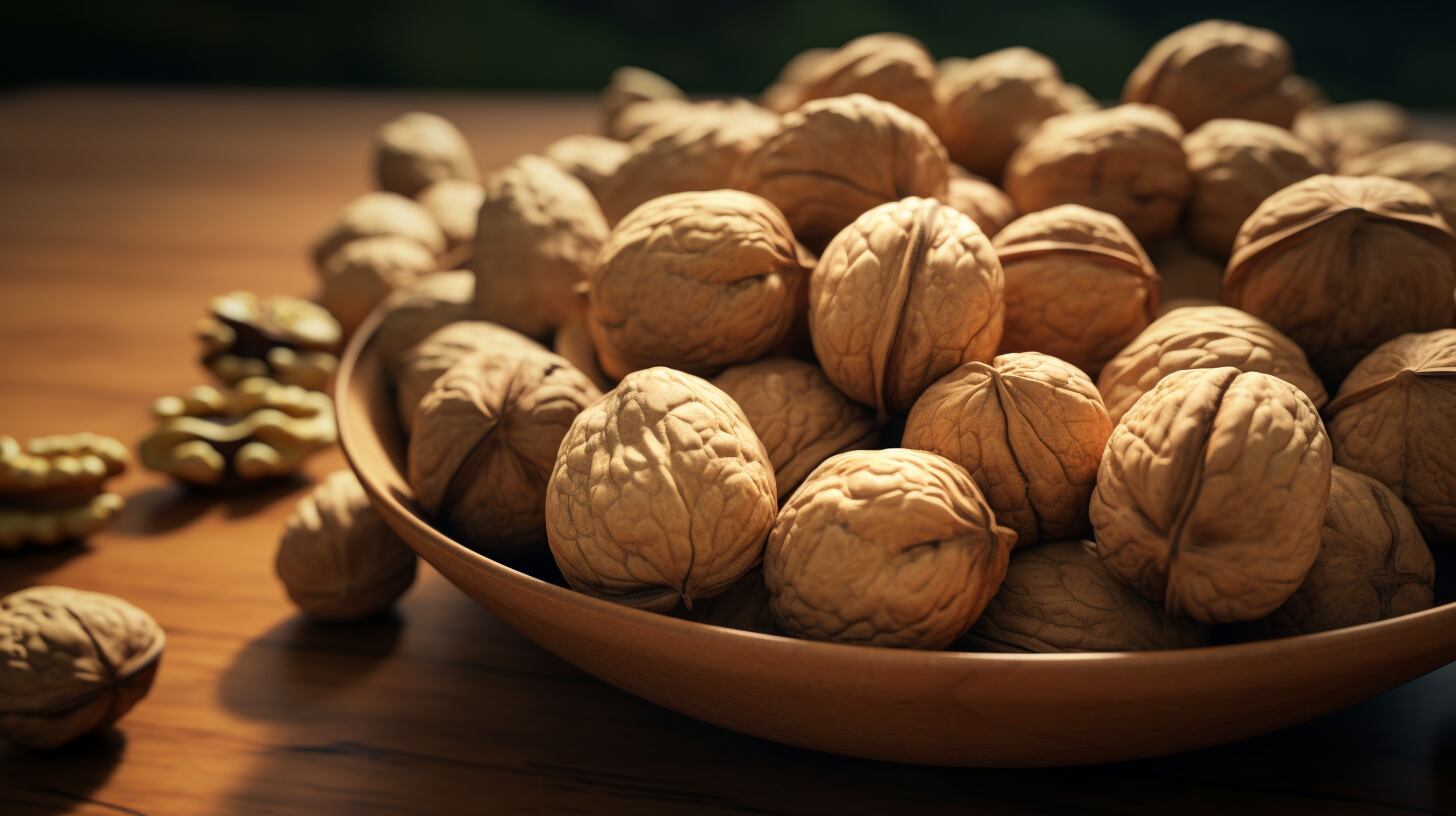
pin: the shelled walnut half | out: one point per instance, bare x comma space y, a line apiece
288, 339
53, 488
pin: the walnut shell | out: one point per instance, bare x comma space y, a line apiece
592, 159
993, 102
1373, 563
903, 295
782, 95
484, 443
895, 68
1218, 69
1211, 494
1235, 165
574, 342
1204, 337
337, 558
798, 415
1060, 598
628, 86
1318, 246
537, 238
410, 314
1342, 132
1030, 430
1127, 161
75, 663
455, 206
1391, 421
374, 214
696, 281
662, 494
836, 158
1078, 285
981, 201
362, 273
416, 369
418, 149
887, 548
1429, 165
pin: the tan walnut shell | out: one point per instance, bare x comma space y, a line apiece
1235, 165
1127, 161
782, 94
1212, 492
1344, 264
907, 292
993, 102
75, 663
285, 338
662, 493
1060, 598
895, 68
337, 558
1078, 285
455, 206
380, 213
412, 313
1392, 421
363, 273
1218, 69
1373, 563
836, 158
574, 342
537, 238
1429, 165
592, 159
1342, 132
1204, 337
695, 281
798, 415
53, 488
417, 149
418, 368
981, 201
1030, 430
886, 548
628, 86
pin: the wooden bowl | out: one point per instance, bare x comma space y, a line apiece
943, 708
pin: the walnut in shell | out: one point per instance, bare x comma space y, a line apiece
907, 292
1218, 69
455, 206
798, 415
1060, 598
1127, 161
1373, 563
53, 488
362, 273
337, 557
1342, 132
537, 237
417, 369
417, 149
592, 159
1344, 264
574, 342
893, 67
1429, 165
1030, 430
1078, 285
379, 213
981, 201
1235, 165
412, 313
281, 337
836, 158
662, 494
1392, 420
1211, 494
628, 86
75, 663
886, 548
1204, 337
783, 94
695, 281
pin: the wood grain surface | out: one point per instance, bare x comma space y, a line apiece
121, 212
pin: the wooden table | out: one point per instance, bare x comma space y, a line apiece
121, 212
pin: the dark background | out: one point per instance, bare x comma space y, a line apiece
1402, 51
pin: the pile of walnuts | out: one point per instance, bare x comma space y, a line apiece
886, 357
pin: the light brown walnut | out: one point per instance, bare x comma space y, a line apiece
981, 201
1429, 165
363, 273
455, 206
886, 548
417, 368
895, 68
1342, 132
418, 149
574, 342
410, 314
629, 86
592, 159
1212, 492
782, 94
662, 494
375, 214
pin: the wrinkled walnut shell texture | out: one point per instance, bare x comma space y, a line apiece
418, 368
1428, 165
412, 313
363, 273
890, 67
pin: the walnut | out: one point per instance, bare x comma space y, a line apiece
1060, 598
661, 493
362, 273
782, 95
906, 293
1127, 161
836, 158
374, 214
743, 606
1342, 132
1373, 563
1211, 493
798, 415
1391, 421
412, 313
75, 663
1218, 69
592, 159
53, 488
1204, 337
1427, 164
993, 102
337, 558
538, 234
981, 201
1235, 165
415, 150
1185, 275
416, 369
256, 430
704, 151
282, 337
1030, 430
1318, 246
696, 281
893, 67
1078, 285
641, 117
887, 548
628, 86
573, 341
455, 206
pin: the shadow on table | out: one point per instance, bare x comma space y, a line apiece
170, 507
59, 781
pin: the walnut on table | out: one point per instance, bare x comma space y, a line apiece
53, 488
284, 338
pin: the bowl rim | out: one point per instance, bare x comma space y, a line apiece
900, 659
